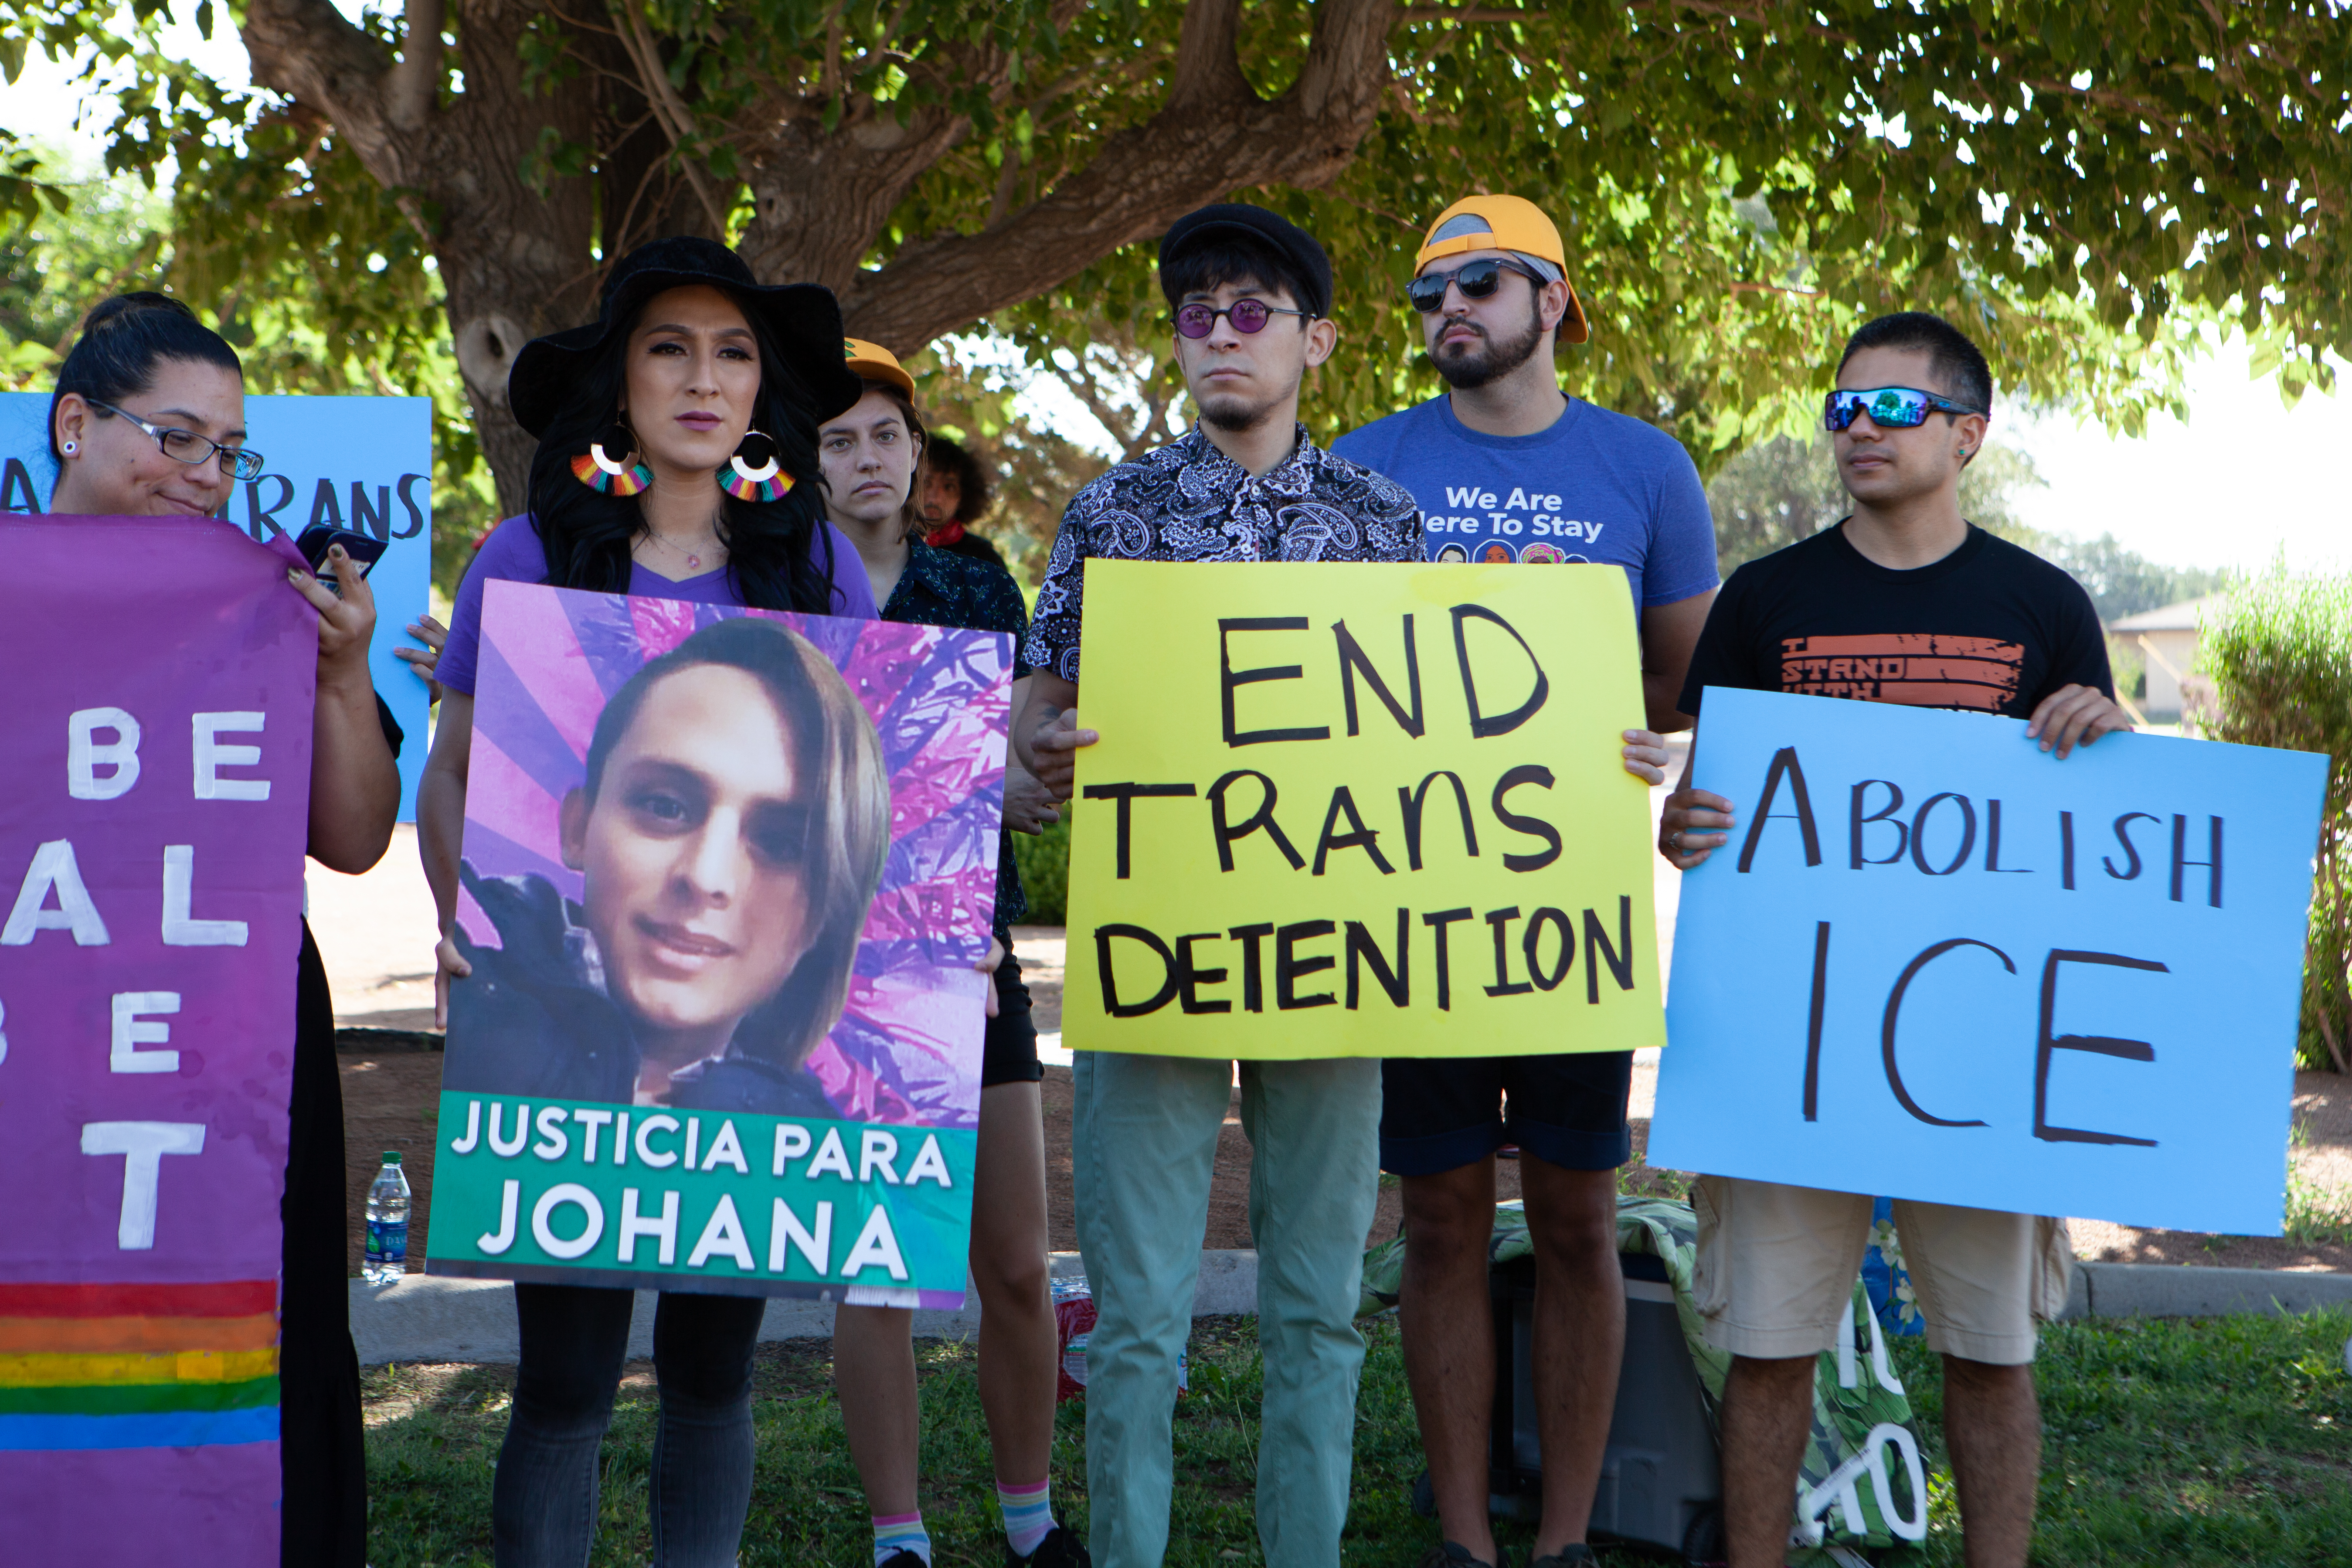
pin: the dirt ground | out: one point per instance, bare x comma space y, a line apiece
2322, 1159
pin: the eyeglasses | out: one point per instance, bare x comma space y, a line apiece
187, 447
1889, 407
1197, 320
1477, 279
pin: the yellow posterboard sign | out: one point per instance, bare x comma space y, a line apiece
1348, 810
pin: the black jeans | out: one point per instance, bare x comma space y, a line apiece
574, 1341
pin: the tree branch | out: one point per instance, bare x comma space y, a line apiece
415, 85
305, 50
671, 112
1007, 177
1208, 62
1211, 135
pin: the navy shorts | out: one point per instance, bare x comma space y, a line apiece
1441, 1113
1009, 1051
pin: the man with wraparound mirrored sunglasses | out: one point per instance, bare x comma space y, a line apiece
1509, 467
1904, 601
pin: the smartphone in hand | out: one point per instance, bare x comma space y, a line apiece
364, 550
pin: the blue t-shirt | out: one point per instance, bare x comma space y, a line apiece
1596, 487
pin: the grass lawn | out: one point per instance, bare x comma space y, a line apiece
2223, 1441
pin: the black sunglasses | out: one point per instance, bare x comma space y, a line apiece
1889, 407
1197, 320
1477, 279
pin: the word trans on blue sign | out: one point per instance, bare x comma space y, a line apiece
1935, 962
362, 463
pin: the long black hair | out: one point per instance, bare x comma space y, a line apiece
779, 553
122, 341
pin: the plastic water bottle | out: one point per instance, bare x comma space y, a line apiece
387, 1223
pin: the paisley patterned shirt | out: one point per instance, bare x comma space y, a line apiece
1188, 501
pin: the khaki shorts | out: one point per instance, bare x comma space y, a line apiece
1777, 1264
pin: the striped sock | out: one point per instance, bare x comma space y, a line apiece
897, 1532
1028, 1514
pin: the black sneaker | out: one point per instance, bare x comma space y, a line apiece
1575, 1554
1060, 1549
902, 1557
1452, 1554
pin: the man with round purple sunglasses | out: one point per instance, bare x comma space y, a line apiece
1249, 295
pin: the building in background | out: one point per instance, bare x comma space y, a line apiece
2168, 638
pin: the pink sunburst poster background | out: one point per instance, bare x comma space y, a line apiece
907, 1048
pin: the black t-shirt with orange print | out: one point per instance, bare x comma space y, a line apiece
1990, 628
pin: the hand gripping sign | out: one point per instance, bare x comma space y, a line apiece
1937, 963
153, 818
1359, 810
726, 876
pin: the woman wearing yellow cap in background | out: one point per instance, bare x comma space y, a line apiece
870, 458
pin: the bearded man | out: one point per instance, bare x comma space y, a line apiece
1506, 467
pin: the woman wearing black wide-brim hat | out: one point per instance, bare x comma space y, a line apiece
676, 459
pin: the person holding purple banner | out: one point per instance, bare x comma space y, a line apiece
676, 459
148, 420
871, 455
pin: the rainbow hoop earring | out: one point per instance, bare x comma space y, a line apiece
756, 473
602, 474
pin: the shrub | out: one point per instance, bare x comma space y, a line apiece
2279, 651
1044, 862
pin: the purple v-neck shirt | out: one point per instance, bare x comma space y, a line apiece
512, 554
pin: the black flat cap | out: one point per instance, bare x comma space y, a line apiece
1287, 239
803, 319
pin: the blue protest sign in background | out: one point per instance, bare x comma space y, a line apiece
364, 462
1937, 963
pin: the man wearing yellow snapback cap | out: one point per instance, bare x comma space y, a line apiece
1507, 467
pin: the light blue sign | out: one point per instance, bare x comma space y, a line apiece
364, 462
1935, 962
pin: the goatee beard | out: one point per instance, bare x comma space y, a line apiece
1471, 368
1234, 418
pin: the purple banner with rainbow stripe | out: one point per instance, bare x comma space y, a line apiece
726, 877
153, 804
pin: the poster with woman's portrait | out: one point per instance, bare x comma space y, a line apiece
727, 874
